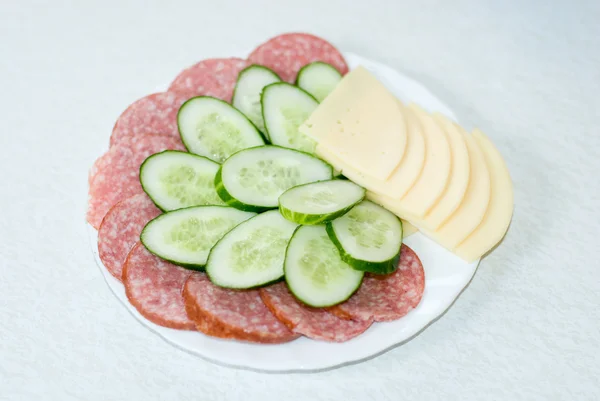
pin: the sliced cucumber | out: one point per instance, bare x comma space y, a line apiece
249, 86
213, 128
252, 254
319, 202
368, 238
176, 180
284, 108
314, 270
186, 236
318, 79
253, 179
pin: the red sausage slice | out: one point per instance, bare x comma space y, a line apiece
314, 323
239, 315
154, 287
211, 77
121, 228
286, 54
389, 297
152, 114
117, 172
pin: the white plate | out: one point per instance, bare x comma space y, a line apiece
445, 277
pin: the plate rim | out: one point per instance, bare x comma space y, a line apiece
163, 331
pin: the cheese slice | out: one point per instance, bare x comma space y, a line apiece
408, 229
360, 123
497, 218
409, 169
393, 205
436, 172
459, 177
474, 205
403, 177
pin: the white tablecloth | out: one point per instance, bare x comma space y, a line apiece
526, 72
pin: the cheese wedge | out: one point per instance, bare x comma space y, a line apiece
459, 177
497, 218
405, 175
434, 177
474, 205
361, 124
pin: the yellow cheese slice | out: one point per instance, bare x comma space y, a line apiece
459, 177
409, 169
474, 205
436, 172
393, 205
500, 209
361, 123
405, 175
408, 228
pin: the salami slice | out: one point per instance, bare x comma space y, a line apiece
389, 297
212, 77
154, 287
137, 143
286, 54
98, 165
121, 228
117, 176
239, 315
314, 323
153, 114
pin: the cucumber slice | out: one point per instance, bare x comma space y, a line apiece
314, 270
185, 236
176, 180
368, 238
285, 107
252, 254
318, 79
253, 179
249, 86
213, 128
319, 202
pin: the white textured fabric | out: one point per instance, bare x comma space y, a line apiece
526, 73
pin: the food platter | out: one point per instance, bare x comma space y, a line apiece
446, 277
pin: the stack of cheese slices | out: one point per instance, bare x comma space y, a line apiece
453, 186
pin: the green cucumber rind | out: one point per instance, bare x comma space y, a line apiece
309, 65
383, 267
265, 284
245, 70
276, 280
258, 133
265, 134
168, 151
314, 219
189, 266
233, 202
262, 108
285, 262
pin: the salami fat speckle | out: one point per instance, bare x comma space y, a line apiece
389, 297
117, 176
121, 228
314, 323
286, 54
212, 77
154, 287
153, 114
239, 315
